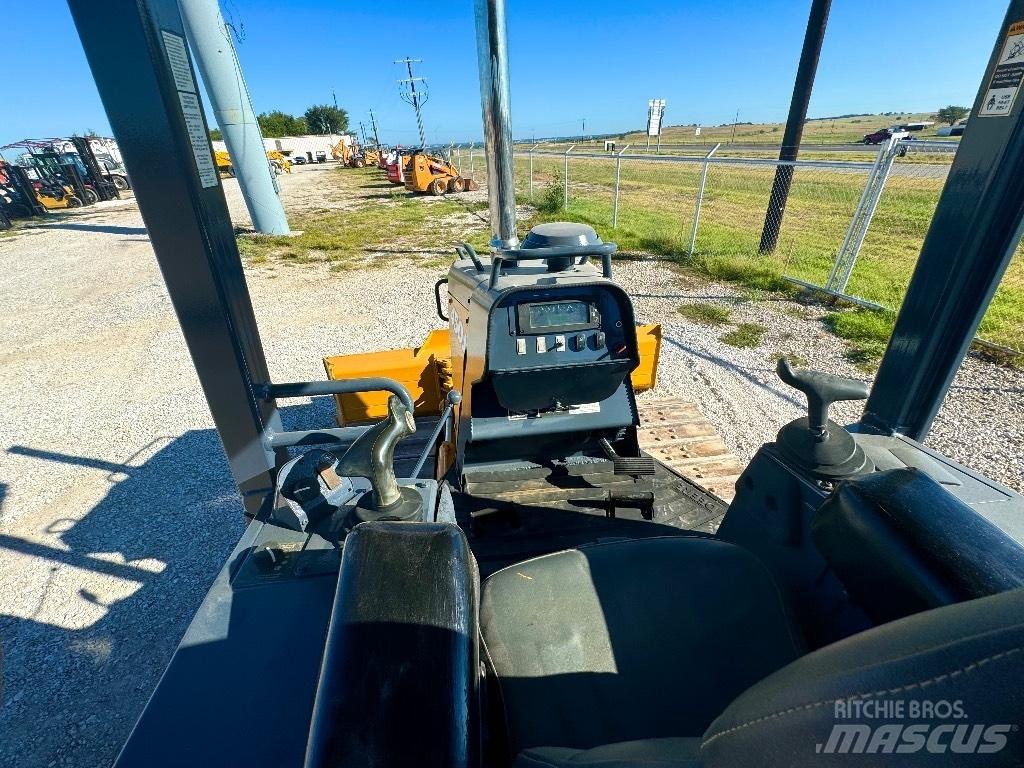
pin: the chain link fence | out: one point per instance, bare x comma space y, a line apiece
853, 224
708, 206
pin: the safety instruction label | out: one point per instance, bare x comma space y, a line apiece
1007, 76
200, 141
177, 58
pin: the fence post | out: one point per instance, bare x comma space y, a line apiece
472, 160
458, 154
615, 200
565, 179
700, 198
846, 258
531, 170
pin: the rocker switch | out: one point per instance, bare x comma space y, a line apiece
520, 346
559, 344
542, 344
580, 342
599, 340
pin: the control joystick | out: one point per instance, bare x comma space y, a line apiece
815, 443
372, 456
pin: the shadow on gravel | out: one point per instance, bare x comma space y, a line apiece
105, 228
751, 375
160, 535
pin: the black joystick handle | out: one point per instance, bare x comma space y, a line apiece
822, 389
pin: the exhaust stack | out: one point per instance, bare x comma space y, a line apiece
492, 57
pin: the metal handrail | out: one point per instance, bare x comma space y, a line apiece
343, 387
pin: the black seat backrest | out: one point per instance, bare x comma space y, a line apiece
901, 544
941, 688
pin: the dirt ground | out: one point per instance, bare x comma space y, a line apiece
116, 504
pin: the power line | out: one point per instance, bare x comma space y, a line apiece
409, 93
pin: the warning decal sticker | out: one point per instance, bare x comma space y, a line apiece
178, 59
1007, 76
174, 46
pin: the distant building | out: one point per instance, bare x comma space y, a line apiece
300, 145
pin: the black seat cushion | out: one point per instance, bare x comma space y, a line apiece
648, 753
630, 640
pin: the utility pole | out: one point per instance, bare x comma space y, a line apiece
373, 122
409, 94
734, 124
362, 132
813, 38
584, 132
215, 55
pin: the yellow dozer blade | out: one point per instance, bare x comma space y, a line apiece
426, 373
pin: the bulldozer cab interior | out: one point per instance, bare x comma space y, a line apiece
547, 594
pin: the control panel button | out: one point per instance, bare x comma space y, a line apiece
520, 346
599, 340
559, 344
542, 344
580, 342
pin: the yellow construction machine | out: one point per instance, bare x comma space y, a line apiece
429, 173
279, 161
371, 157
354, 156
342, 151
227, 169
56, 196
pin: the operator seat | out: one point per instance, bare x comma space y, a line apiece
679, 653
631, 639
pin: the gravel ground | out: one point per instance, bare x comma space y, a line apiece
116, 505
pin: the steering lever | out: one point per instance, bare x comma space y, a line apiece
822, 389
372, 456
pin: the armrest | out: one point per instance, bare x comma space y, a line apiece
399, 679
901, 544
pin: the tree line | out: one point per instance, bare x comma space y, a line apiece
319, 118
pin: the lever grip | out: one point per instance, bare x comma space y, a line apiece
372, 455
822, 389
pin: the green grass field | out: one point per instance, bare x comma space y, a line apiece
656, 210
378, 223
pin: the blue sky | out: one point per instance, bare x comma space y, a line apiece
599, 61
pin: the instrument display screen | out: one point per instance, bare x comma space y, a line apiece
559, 313
563, 316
